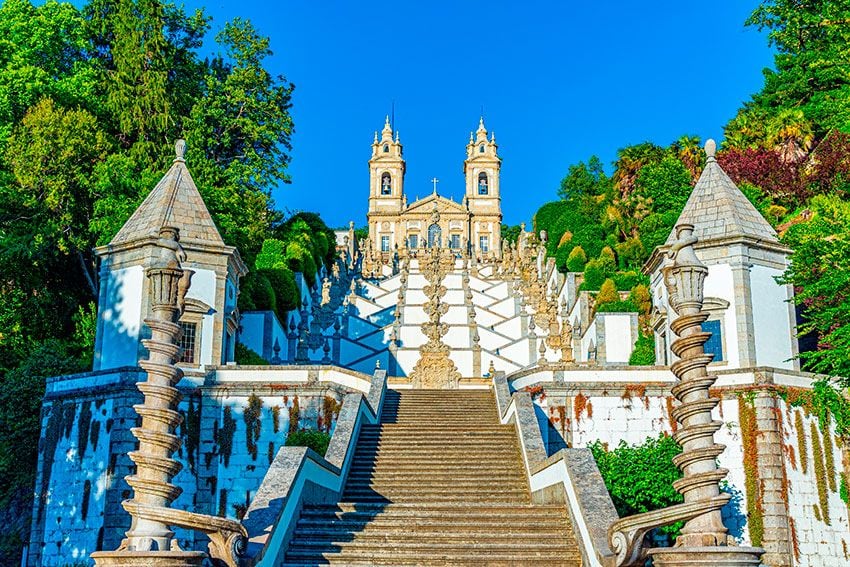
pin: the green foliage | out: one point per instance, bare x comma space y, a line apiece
629, 279
20, 410
640, 477
666, 183
594, 276
584, 180
510, 233
576, 261
644, 351
286, 294
271, 256
607, 292
641, 298
312, 438
820, 270
248, 357
617, 306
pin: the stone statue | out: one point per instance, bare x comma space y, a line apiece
326, 292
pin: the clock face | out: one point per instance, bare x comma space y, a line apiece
385, 225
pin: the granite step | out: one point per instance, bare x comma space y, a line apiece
438, 482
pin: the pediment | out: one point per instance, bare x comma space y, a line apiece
444, 205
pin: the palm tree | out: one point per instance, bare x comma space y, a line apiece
790, 134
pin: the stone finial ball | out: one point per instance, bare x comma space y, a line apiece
710, 147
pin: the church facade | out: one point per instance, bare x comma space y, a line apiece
471, 226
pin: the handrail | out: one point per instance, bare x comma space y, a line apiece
299, 476
570, 476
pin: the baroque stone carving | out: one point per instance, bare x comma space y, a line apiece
150, 539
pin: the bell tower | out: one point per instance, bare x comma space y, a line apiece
386, 189
481, 169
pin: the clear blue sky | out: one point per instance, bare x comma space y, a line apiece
559, 82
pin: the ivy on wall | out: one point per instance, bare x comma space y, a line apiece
252, 415
224, 436
752, 486
802, 445
820, 474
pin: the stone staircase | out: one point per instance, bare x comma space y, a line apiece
438, 482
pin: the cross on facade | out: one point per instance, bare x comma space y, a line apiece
435, 181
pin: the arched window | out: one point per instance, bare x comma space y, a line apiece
481, 149
386, 184
386, 148
483, 188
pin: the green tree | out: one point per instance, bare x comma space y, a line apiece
812, 42
820, 271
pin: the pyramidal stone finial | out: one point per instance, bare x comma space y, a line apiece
710, 148
180, 150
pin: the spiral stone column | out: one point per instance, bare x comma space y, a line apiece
703, 540
150, 541
149, 537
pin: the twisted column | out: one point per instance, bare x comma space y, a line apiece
703, 540
150, 540
685, 280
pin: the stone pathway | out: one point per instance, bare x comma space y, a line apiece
438, 482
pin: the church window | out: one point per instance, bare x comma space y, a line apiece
187, 342
385, 244
413, 241
483, 186
484, 244
481, 149
714, 345
386, 148
386, 184
454, 241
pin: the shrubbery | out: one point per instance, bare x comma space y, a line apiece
640, 477
312, 438
644, 351
248, 357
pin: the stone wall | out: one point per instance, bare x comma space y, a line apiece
86, 421
788, 503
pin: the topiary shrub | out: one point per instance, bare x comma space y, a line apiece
607, 292
246, 356
644, 351
561, 257
271, 256
640, 478
312, 438
641, 297
577, 260
594, 276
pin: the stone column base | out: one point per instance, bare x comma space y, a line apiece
148, 558
719, 556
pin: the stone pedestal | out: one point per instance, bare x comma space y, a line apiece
148, 558
715, 556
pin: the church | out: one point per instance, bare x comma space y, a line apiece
471, 226
469, 376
